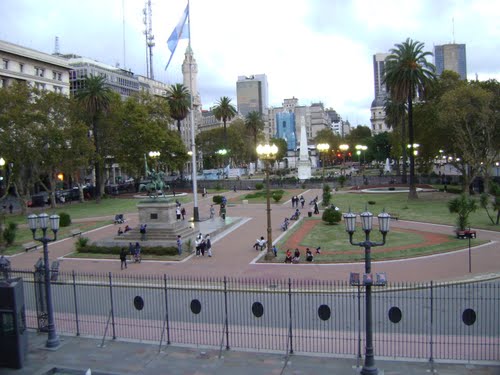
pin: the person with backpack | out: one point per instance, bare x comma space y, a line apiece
208, 245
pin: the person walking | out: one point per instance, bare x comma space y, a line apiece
178, 213
123, 258
197, 244
208, 245
183, 213
179, 245
143, 232
302, 201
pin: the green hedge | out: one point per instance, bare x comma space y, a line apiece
115, 250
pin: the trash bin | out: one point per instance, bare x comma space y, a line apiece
310, 214
13, 335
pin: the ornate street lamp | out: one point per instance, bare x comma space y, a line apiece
343, 148
361, 148
350, 227
323, 148
268, 154
42, 222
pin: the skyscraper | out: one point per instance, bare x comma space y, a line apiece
451, 57
252, 94
377, 108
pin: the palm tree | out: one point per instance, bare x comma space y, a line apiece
395, 114
254, 124
224, 111
95, 98
408, 75
179, 101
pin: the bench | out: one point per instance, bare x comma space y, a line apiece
76, 232
29, 245
394, 216
462, 234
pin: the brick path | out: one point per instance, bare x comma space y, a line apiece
235, 257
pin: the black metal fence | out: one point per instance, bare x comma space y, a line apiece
420, 321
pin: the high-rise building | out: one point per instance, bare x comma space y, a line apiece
40, 70
377, 118
252, 94
451, 57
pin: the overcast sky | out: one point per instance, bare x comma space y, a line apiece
314, 50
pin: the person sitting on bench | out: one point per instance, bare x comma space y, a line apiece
260, 244
296, 256
288, 256
309, 255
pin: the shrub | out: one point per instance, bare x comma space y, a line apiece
217, 199
64, 219
115, 250
327, 195
331, 216
277, 195
9, 233
81, 242
372, 202
342, 180
463, 206
218, 187
259, 186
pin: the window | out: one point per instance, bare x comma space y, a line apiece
58, 89
21, 67
5, 64
56, 75
39, 72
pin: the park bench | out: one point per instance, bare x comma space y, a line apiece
394, 215
76, 232
30, 245
462, 234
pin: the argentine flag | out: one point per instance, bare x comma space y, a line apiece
181, 31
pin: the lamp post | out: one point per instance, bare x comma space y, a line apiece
323, 148
350, 225
42, 222
268, 153
343, 148
497, 164
361, 148
223, 153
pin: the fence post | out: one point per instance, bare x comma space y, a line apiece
76, 304
431, 341
290, 333
226, 314
166, 309
358, 363
112, 305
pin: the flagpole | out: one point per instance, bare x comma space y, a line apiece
196, 214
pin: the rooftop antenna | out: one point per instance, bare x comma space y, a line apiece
123, 32
453, 28
148, 32
56, 46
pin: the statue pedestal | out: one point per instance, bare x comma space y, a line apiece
304, 170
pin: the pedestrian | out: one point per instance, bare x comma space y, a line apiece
197, 244
179, 245
123, 258
203, 247
316, 208
212, 211
183, 213
208, 245
178, 213
142, 230
120, 231
275, 250
302, 201
131, 250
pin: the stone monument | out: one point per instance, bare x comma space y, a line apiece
304, 164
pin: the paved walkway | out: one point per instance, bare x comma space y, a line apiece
235, 257
124, 358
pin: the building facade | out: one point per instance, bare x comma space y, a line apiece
38, 69
451, 57
377, 118
252, 94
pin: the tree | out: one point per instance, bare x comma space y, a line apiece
408, 75
95, 97
224, 111
395, 117
255, 125
179, 101
359, 135
463, 206
282, 148
473, 129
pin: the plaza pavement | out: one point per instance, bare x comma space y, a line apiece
235, 257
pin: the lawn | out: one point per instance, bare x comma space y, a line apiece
335, 247
260, 196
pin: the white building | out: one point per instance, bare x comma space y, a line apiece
377, 118
40, 70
